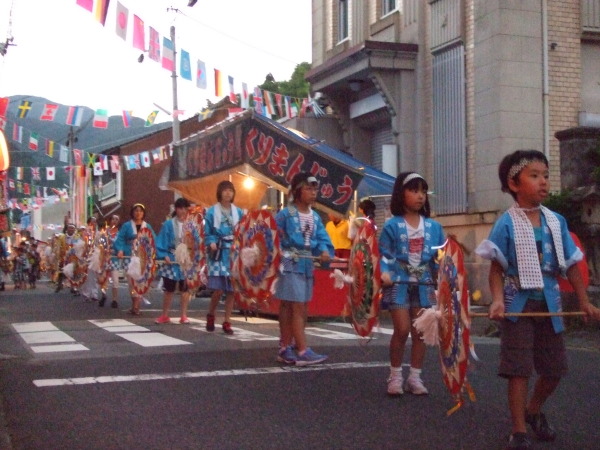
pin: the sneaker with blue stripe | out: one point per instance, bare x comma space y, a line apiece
287, 355
309, 357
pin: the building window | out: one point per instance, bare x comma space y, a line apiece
343, 20
388, 6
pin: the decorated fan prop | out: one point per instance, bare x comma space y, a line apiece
193, 238
454, 323
145, 250
364, 295
255, 257
104, 257
75, 268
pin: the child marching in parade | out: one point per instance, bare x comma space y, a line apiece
124, 246
302, 234
219, 222
408, 246
529, 246
168, 239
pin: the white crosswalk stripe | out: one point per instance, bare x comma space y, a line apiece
44, 337
137, 334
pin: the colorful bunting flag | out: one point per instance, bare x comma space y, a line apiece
245, 98
2, 127
121, 22
50, 148
19, 187
168, 56
127, 118
154, 45
24, 108
101, 11
4, 102
26, 190
98, 169
35, 173
201, 75
156, 156
218, 88
232, 95
268, 104
101, 118
74, 116
49, 111
139, 35
151, 118
178, 112
114, 163
145, 159
185, 66
77, 157
279, 103
63, 155
87, 4
134, 162
17, 133
91, 160
11, 184
33, 142
258, 105
103, 161
50, 174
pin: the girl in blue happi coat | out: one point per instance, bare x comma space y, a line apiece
124, 246
408, 245
302, 234
219, 222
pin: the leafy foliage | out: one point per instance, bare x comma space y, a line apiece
296, 86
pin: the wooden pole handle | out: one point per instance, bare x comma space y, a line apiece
533, 314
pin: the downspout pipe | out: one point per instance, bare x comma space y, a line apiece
545, 84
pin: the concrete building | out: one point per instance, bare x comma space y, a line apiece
449, 87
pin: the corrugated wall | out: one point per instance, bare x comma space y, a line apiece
449, 132
590, 15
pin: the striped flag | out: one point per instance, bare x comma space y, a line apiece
103, 161
101, 118
268, 103
218, 88
17, 133
49, 148
127, 118
232, 95
33, 142
74, 116
168, 57
101, 10
19, 173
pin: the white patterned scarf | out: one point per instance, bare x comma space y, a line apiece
235, 217
528, 263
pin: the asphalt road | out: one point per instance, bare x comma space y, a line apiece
134, 384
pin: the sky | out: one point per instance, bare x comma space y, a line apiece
64, 54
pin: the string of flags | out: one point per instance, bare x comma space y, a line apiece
265, 102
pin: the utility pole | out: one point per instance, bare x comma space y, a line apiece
176, 135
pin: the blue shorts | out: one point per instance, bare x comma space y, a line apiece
220, 283
294, 287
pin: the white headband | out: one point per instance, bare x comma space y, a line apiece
516, 168
411, 177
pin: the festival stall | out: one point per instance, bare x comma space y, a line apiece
251, 145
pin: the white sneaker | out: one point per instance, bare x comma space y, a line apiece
415, 385
395, 384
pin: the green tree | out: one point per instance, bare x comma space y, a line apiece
296, 86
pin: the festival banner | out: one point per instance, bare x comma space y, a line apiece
151, 118
253, 141
121, 22
153, 45
24, 108
168, 57
100, 118
139, 36
101, 11
185, 67
49, 112
201, 75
